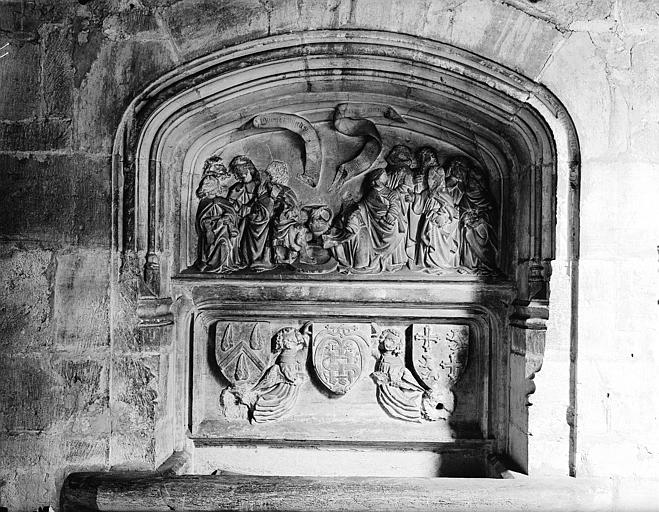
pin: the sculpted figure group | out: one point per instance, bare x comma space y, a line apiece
414, 213
257, 222
417, 214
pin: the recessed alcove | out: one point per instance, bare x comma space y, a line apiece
416, 93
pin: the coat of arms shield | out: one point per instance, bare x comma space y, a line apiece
242, 351
440, 353
339, 354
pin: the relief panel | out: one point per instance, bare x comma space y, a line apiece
331, 380
390, 207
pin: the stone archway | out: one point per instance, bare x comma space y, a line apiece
515, 129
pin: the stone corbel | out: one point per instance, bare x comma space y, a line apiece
154, 311
529, 323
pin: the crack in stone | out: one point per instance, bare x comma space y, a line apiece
537, 15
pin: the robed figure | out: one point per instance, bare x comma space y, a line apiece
438, 245
216, 221
289, 232
479, 248
373, 238
242, 195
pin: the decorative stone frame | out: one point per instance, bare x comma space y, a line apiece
515, 127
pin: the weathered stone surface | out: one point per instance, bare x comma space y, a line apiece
81, 300
56, 198
57, 73
135, 392
134, 450
37, 394
35, 134
201, 26
31, 450
120, 72
564, 12
20, 76
35, 465
138, 22
26, 279
585, 93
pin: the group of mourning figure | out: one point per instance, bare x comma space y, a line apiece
417, 214
414, 213
257, 222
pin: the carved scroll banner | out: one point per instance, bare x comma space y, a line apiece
440, 353
350, 119
311, 150
242, 351
340, 352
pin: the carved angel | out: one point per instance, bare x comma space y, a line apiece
398, 392
276, 393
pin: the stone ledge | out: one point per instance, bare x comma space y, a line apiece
152, 492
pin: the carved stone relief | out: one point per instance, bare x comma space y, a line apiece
340, 353
414, 378
415, 213
273, 394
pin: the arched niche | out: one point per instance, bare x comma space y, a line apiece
511, 127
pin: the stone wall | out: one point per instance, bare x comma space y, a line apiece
75, 394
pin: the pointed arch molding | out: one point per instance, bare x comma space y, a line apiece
514, 127
517, 128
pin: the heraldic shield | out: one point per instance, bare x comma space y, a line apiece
339, 355
440, 353
242, 351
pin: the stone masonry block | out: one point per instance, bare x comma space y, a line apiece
81, 300
35, 135
135, 392
56, 198
38, 394
35, 465
25, 298
132, 450
57, 70
198, 27
19, 80
119, 72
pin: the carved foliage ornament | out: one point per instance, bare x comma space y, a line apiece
416, 213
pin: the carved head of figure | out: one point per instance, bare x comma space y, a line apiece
289, 338
477, 177
243, 169
401, 156
377, 179
214, 179
459, 168
427, 158
278, 172
390, 341
320, 219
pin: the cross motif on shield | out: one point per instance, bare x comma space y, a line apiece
440, 353
339, 354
